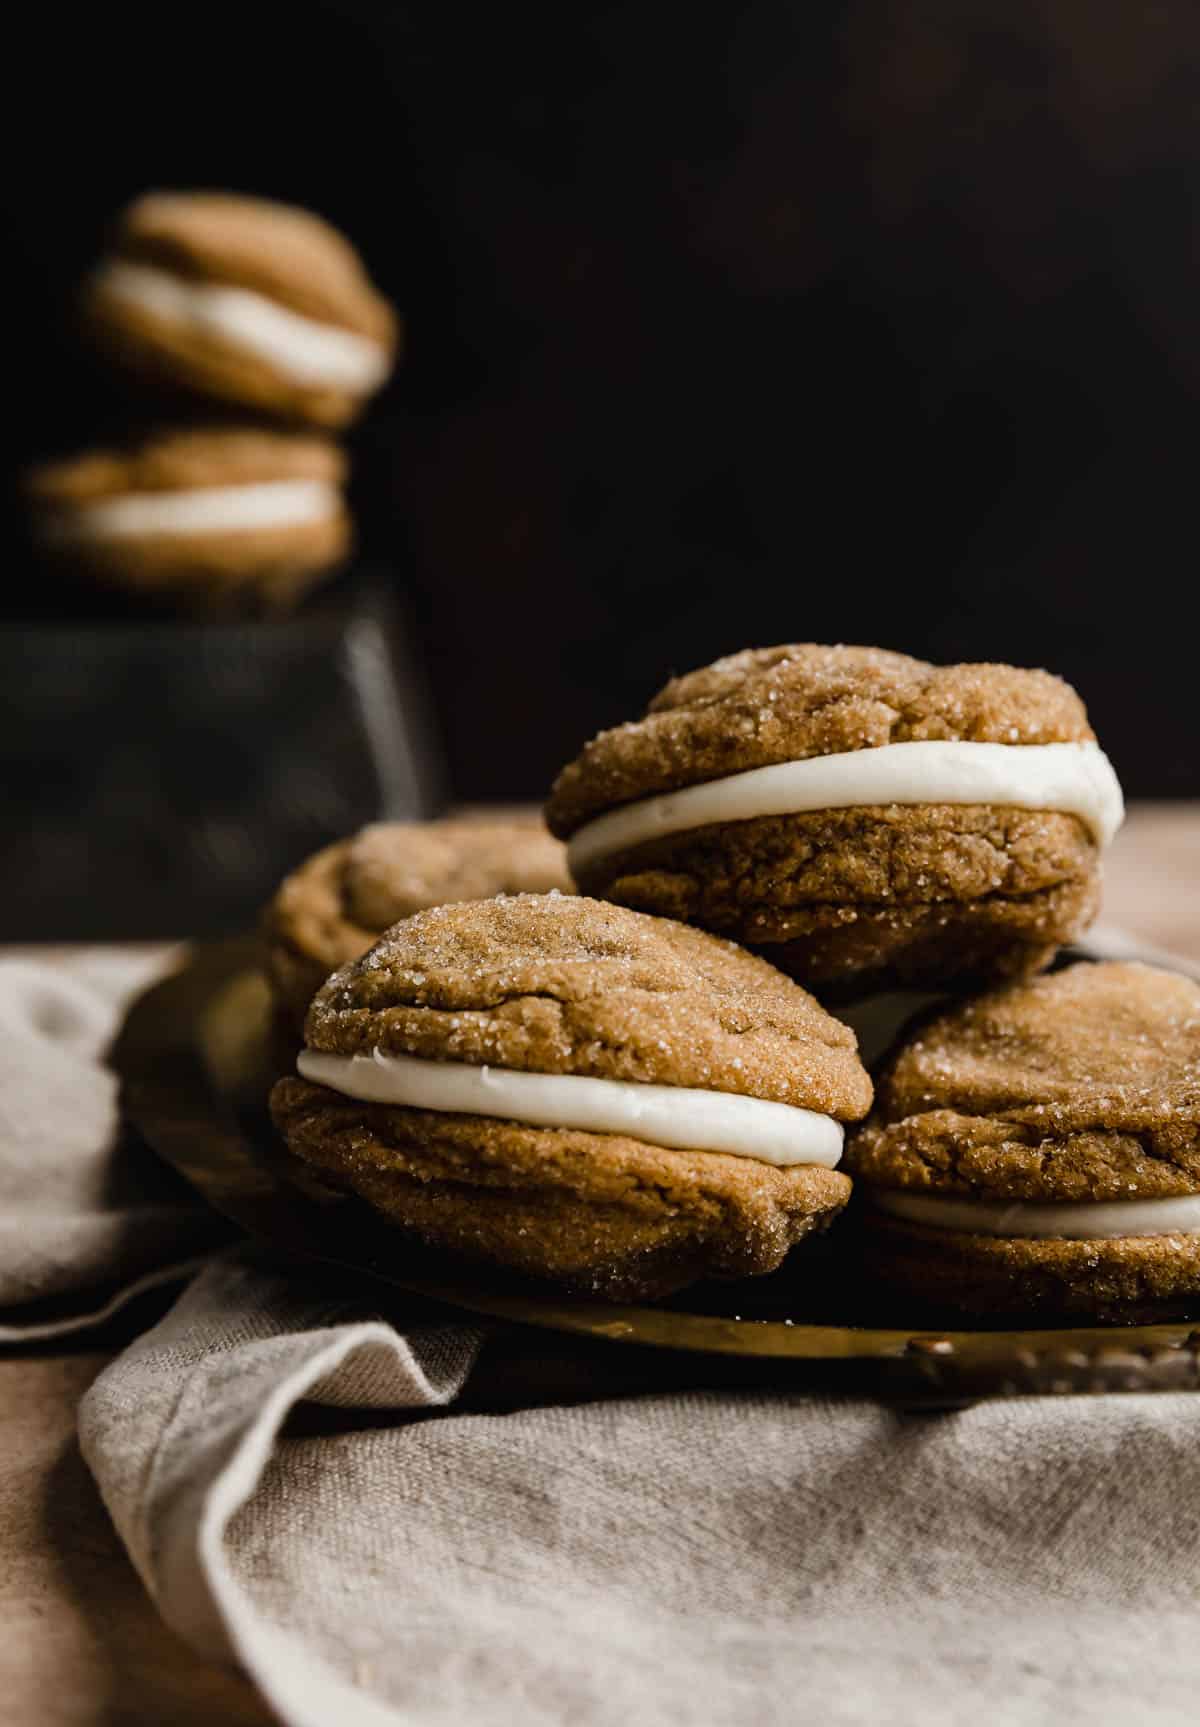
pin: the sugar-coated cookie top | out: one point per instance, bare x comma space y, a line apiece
768, 705
176, 460
558, 984
1081, 1085
1111, 1046
390, 870
286, 253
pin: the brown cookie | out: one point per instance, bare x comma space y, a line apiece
243, 300
338, 902
600, 1214
1006, 1130
849, 891
527, 1002
208, 517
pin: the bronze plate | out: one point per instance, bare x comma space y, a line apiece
197, 1056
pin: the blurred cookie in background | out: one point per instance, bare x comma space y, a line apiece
210, 518
331, 909
245, 301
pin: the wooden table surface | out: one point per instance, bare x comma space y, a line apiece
79, 1641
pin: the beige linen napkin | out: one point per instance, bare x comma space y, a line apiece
313, 1490
713, 1558
88, 1219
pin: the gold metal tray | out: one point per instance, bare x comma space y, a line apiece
197, 1055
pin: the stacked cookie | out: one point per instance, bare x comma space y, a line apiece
628, 1090
1036, 1150
546, 1083
862, 819
340, 901
576, 1091
247, 310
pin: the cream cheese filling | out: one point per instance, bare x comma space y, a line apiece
676, 1117
1103, 1220
303, 349
195, 510
1076, 779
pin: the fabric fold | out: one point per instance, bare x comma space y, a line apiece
317, 1490
180, 1428
714, 1557
88, 1218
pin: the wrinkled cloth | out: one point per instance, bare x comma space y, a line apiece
306, 1488
707, 1557
88, 1218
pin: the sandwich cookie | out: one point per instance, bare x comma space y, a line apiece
863, 819
1036, 1151
339, 901
208, 515
246, 301
577, 1092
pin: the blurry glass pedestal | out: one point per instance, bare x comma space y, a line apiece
160, 777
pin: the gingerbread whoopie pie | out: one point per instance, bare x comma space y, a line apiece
863, 819
244, 300
577, 1092
222, 513
1036, 1151
339, 901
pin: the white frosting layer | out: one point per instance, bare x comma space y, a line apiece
301, 348
1076, 779
197, 510
1105, 1220
668, 1115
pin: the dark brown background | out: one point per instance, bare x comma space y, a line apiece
729, 325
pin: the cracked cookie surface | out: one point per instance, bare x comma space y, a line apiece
603, 1214
874, 897
858, 899
1084, 1085
560, 985
331, 909
1081, 1087
1127, 1281
785, 704
555, 984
